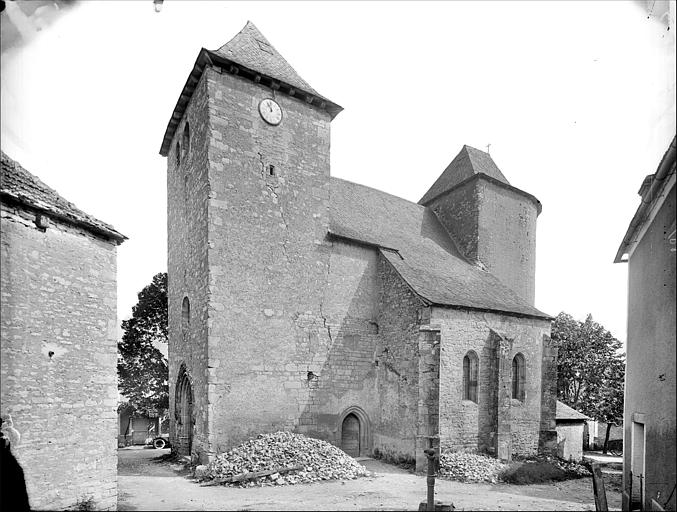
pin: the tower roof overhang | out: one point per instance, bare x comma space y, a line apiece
207, 58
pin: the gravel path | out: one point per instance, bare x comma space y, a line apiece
146, 483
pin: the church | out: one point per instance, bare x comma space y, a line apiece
300, 301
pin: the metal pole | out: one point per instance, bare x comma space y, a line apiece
430, 453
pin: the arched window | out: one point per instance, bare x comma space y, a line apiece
186, 140
178, 153
185, 318
470, 371
519, 376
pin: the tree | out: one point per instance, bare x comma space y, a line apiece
143, 373
590, 369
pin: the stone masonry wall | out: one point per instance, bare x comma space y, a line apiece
344, 377
495, 227
507, 235
465, 425
269, 259
58, 335
397, 356
187, 198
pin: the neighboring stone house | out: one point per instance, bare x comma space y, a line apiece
58, 342
570, 429
305, 302
649, 455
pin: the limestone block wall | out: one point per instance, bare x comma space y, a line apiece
397, 355
268, 259
495, 226
465, 425
188, 195
507, 234
344, 377
58, 335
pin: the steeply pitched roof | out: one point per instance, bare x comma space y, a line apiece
251, 49
467, 163
251, 56
19, 185
413, 240
564, 412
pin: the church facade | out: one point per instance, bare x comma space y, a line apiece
299, 301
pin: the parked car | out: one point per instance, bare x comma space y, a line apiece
159, 442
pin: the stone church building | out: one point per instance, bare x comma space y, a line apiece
299, 301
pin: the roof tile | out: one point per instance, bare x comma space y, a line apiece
425, 256
251, 49
22, 186
467, 163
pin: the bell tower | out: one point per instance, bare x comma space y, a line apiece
248, 171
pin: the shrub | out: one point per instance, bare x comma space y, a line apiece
524, 473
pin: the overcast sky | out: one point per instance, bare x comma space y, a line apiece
576, 100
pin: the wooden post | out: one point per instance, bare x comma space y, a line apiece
598, 488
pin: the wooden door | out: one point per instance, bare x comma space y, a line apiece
350, 435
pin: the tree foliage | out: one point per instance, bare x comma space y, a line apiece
590, 368
142, 369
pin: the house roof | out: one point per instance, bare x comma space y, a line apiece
564, 412
469, 164
251, 56
19, 185
653, 192
418, 246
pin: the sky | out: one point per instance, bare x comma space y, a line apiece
575, 101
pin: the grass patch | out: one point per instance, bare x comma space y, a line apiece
401, 461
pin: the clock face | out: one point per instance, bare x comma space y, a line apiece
270, 111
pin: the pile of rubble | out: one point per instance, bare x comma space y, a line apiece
470, 467
282, 458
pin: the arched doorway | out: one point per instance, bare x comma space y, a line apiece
183, 413
350, 435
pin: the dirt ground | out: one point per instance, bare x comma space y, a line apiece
147, 483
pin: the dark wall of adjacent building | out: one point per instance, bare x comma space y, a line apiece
650, 371
58, 343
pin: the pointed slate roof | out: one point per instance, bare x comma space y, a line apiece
468, 163
19, 185
414, 241
251, 56
251, 49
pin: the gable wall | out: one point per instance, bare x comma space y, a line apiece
59, 295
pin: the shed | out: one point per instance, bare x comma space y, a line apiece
570, 425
